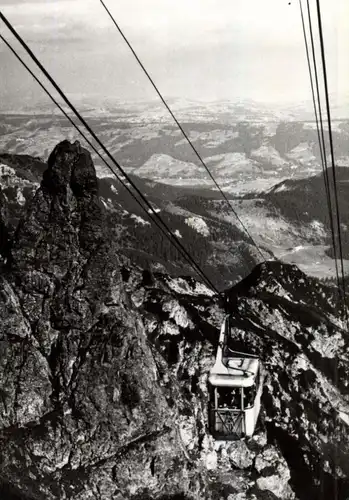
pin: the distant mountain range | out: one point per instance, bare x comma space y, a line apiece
243, 156
267, 163
223, 110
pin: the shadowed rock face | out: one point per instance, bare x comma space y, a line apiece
83, 411
103, 367
78, 376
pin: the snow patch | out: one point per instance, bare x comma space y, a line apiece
201, 289
198, 224
344, 416
281, 188
155, 209
139, 220
20, 198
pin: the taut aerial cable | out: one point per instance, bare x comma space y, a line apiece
319, 127
155, 217
331, 146
182, 130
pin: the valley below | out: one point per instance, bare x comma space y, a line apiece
267, 164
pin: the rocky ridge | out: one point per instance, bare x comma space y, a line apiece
130, 227
103, 366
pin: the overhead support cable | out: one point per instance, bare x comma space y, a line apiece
154, 217
324, 160
321, 137
345, 309
181, 129
15, 53
331, 145
318, 99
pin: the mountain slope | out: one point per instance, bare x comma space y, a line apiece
304, 201
222, 249
103, 367
271, 147
293, 322
288, 221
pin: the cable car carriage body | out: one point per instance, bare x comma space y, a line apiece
235, 387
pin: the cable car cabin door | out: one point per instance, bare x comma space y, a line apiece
226, 414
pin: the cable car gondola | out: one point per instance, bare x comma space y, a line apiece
235, 389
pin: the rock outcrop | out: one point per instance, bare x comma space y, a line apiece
88, 407
103, 366
81, 408
295, 325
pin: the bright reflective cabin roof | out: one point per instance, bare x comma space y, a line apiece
234, 372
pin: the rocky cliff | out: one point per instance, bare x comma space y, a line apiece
103, 366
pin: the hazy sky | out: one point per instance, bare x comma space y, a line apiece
198, 49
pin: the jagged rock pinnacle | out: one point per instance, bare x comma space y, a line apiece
64, 218
70, 165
